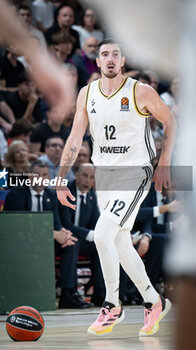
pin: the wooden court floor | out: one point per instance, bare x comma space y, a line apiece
66, 330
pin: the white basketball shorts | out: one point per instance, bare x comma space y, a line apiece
121, 191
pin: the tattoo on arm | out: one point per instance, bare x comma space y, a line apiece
68, 161
71, 157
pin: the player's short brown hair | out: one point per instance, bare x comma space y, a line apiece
105, 42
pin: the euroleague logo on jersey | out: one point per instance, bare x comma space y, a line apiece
124, 104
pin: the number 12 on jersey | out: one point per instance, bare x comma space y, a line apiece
118, 206
109, 132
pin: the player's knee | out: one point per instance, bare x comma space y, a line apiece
99, 240
105, 232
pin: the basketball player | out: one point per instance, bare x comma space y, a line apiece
117, 109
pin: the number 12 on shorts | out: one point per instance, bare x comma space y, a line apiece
117, 206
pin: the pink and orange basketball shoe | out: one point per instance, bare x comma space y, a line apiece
153, 314
109, 316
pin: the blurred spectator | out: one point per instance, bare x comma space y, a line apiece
156, 127
17, 158
154, 79
49, 77
7, 117
75, 4
53, 151
130, 73
72, 70
3, 148
43, 14
68, 121
24, 103
18, 2
150, 79
83, 156
171, 97
88, 27
63, 45
94, 76
25, 14
64, 20
86, 61
10, 69
21, 130
56, 3
158, 146
52, 127
17, 163
2, 52
82, 222
62, 48
143, 77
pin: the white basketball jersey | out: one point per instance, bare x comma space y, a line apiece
120, 132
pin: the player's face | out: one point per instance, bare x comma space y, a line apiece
110, 60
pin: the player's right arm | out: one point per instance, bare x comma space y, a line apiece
73, 146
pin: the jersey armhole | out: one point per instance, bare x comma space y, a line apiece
87, 95
146, 115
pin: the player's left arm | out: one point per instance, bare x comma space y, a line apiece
149, 100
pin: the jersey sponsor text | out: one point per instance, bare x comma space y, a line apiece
114, 149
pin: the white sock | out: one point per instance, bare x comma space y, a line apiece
112, 293
134, 266
104, 235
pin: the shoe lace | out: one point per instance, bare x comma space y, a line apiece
102, 314
147, 313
